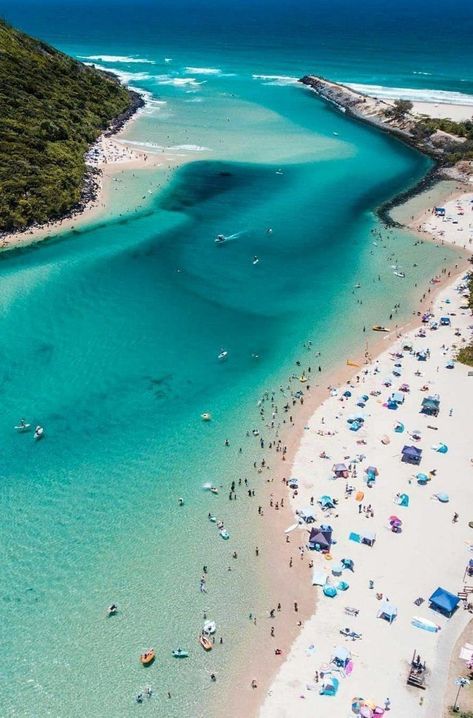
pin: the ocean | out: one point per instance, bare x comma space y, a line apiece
111, 333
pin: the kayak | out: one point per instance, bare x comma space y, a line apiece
148, 657
291, 528
205, 643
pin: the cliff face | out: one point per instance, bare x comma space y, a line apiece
52, 109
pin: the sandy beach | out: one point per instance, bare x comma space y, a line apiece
440, 110
430, 550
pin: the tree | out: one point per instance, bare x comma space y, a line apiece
400, 109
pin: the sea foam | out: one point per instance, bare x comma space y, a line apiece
203, 70
276, 79
413, 94
118, 58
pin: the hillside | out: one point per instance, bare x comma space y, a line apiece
52, 109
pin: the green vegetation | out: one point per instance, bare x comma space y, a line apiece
52, 109
454, 151
399, 109
465, 355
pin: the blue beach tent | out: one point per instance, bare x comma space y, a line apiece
444, 602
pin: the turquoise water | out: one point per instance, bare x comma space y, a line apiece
110, 339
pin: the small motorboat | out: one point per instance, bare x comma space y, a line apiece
206, 416
379, 328
147, 658
38, 433
220, 239
180, 653
224, 534
209, 628
112, 610
213, 490
223, 355
205, 642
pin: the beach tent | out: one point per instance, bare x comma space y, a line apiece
319, 578
330, 591
320, 541
387, 611
443, 601
341, 656
307, 514
411, 455
293, 483
422, 356
439, 211
430, 406
441, 448
340, 471
368, 538
402, 500
329, 686
326, 502
398, 397
399, 427
337, 569
445, 321
450, 364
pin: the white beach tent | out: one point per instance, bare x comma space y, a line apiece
319, 578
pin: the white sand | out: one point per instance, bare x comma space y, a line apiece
431, 551
442, 110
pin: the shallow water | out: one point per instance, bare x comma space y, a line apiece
110, 339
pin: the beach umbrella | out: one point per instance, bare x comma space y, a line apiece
372, 470
398, 427
343, 586
395, 520
422, 478
442, 448
366, 712
347, 394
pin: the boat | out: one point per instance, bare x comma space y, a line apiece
224, 534
147, 658
255, 260
209, 628
206, 416
112, 610
399, 274
213, 490
205, 642
223, 355
180, 653
38, 433
22, 427
379, 328
220, 239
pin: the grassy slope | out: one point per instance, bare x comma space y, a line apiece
52, 108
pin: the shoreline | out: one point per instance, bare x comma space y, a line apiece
251, 703
270, 705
